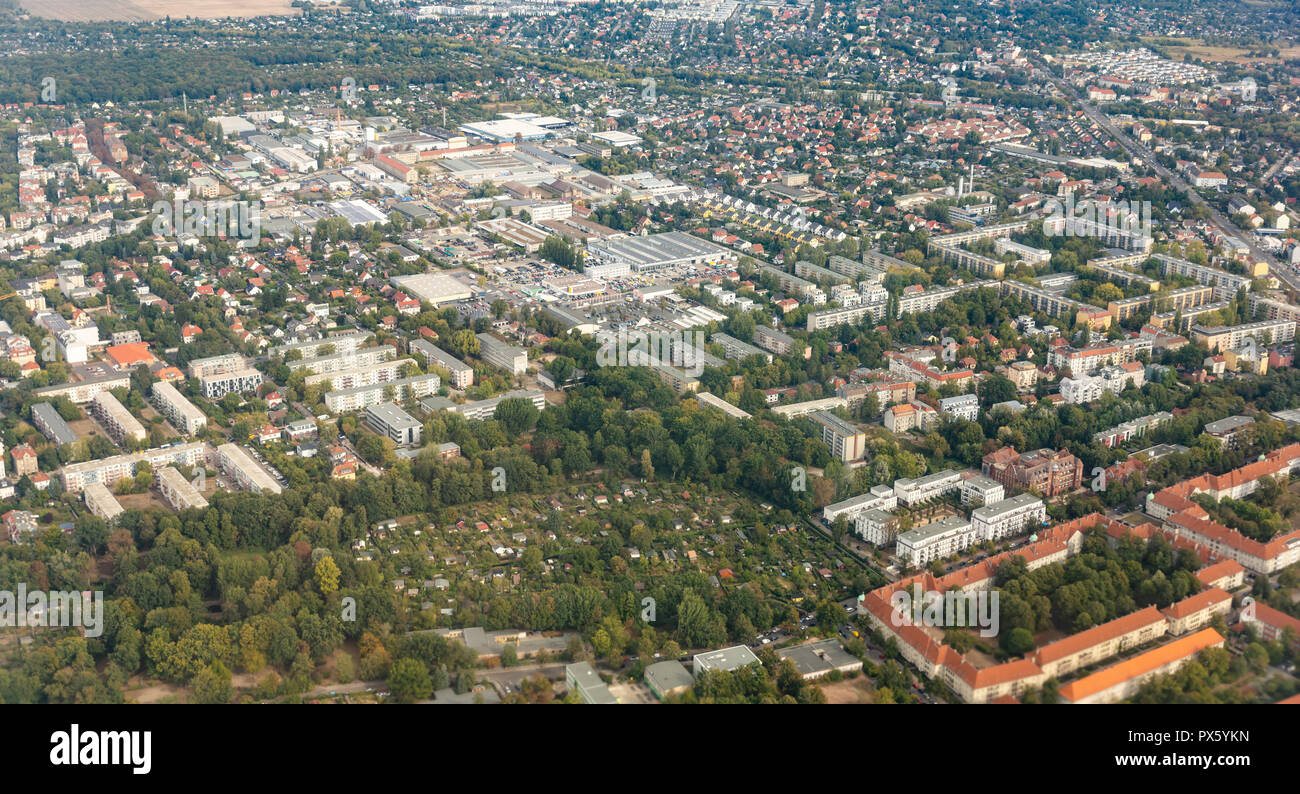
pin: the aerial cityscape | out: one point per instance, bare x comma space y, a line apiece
649, 352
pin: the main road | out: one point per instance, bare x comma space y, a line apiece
1141, 152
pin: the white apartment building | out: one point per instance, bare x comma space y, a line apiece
179, 492
381, 372
880, 497
236, 464
461, 375
184, 415
101, 502
503, 355
935, 541
1008, 517
876, 527
214, 387
118, 421
1088, 388
335, 362
107, 471
339, 344
963, 406
917, 491
401, 390
981, 490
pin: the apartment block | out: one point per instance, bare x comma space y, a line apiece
118, 421
880, 497
460, 374
912, 492
179, 492
389, 420
1232, 337
980, 490
401, 390
107, 471
847, 441
486, 409
363, 357
46, 418
936, 540
218, 385
240, 467
502, 355
183, 415
340, 343
1226, 285
1008, 517
101, 502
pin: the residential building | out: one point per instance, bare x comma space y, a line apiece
236, 464
1123, 680
504, 356
936, 540
912, 492
107, 471
118, 421
46, 418
389, 420
101, 502
183, 415
847, 441
1008, 517
460, 374
401, 390
1046, 472
179, 492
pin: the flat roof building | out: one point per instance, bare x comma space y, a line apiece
724, 660
101, 502
460, 374
668, 678
235, 463
118, 421
816, 659
179, 492
582, 678
46, 418
401, 390
183, 415
502, 355
389, 420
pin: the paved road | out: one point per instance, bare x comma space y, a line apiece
1141, 152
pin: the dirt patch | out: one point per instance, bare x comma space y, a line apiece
855, 691
156, 693
145, 10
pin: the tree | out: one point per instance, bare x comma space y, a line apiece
517, 415
212, 684
409, 681
327, 575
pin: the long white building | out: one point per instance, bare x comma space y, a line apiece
184, 415
236, 464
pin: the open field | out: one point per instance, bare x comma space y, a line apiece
1177, 48
145, 10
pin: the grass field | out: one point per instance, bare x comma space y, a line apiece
1177, 48
145, 10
